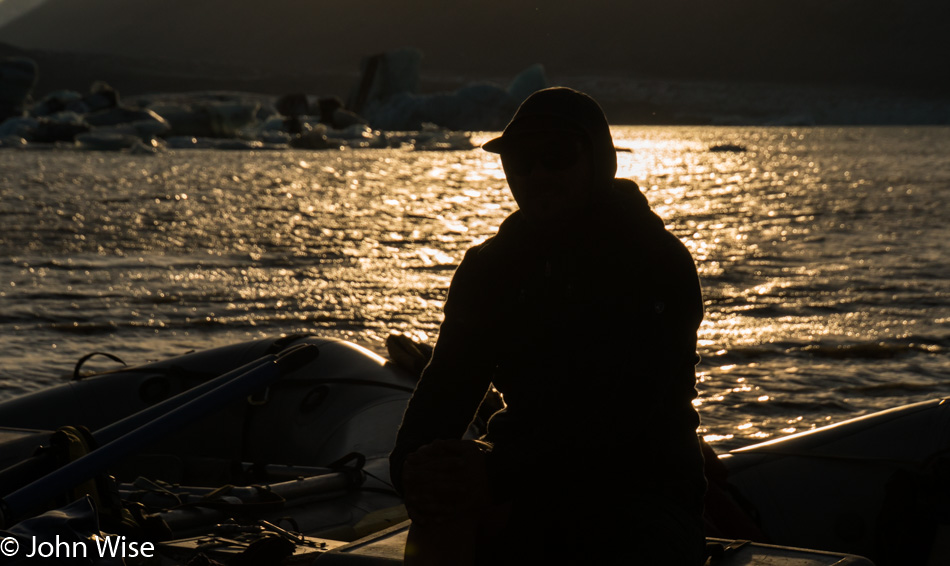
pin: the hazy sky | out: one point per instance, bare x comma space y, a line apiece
10, 9
884, 41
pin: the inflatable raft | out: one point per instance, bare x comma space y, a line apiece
293, 433
276, 451
877, 485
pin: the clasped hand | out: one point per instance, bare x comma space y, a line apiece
445, 480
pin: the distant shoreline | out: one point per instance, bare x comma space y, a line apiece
627, 100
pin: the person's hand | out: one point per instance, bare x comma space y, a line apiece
445, 479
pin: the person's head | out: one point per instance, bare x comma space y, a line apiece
557, 153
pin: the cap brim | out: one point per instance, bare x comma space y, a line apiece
511, 135
496, 145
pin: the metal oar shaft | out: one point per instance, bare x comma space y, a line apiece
96, 461
113, 431
21, 473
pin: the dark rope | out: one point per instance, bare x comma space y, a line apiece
82, 360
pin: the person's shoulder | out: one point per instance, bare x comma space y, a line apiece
625, 198
642, 224
482, 277
627, 210
507, 241
629, 189
482, 257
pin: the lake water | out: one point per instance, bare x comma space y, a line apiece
822, 252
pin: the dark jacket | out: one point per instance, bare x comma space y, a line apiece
592, 342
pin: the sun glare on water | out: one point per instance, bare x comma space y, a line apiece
813, 254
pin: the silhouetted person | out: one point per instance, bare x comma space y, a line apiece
582, 311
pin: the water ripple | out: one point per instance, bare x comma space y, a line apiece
822, 253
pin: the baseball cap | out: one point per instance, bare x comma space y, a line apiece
558, 110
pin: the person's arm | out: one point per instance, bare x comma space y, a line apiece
687, 314
457, 378
683, 303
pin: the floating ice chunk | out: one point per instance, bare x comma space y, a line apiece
343, 118
194, 142
189, 142
527, 82
274, 124
106, 140
384, 76
122, 115
229, 119
275, 137
354, 132
142, 129
357, 136
216, 119
60, 127
239, 144
386, 96
18, 76
293, 104
12, 141
435, 138
20, 126
314, 139
147, 147
59, 101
